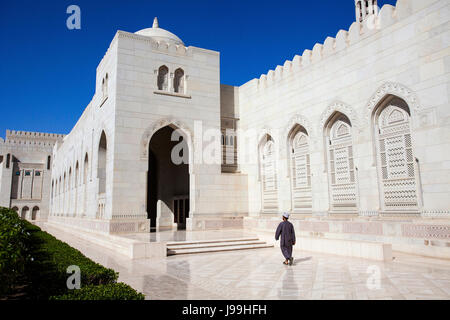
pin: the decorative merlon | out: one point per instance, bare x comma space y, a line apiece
387, 16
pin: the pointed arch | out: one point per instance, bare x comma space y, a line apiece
25, 212
77, 173
391, 89
342, 108
397, 167
178, 81
268, 173
299, 169
339, 157
101, 163
186, 132
35, 213
163, 78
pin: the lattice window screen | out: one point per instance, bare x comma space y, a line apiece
396, 160
269, 177
341, 168
301, 173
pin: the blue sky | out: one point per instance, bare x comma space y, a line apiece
47, 72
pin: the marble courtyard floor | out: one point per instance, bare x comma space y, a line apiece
259, 274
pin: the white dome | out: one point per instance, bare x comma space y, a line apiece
158, 34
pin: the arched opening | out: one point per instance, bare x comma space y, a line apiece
168, 181
163, 78
35, 213
25, 211
300, 170
397, 169
77, 173
64, 188
15, 209
341, 168
268, 174
101, 170
85, 182
178, 81
52, 197
105, 87
69, 193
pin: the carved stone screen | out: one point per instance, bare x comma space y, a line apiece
269, 177
396, 160
301, 174
343, 195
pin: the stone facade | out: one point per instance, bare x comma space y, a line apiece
351, 137
25, 172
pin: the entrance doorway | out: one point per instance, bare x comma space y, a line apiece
167, 181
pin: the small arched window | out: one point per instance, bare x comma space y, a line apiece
163, 78
178, 81
105, 87
49, 158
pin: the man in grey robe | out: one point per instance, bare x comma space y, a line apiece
286, 231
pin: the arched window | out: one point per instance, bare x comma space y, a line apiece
268, 175
101, 171
25, 211
395, 156
49, 158
341, 168
178, 81
105, 86
163, 78
300, 167
69, 184
8, 160
34, 213
77, 173
85, 181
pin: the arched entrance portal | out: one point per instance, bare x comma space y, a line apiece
168, 181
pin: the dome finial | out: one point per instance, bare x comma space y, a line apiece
155, 23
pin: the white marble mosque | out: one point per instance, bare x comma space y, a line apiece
351, 137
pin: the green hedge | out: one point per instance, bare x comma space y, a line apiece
52, 257
35, 263
115, 291
14, 253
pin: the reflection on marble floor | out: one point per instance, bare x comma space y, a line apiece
260, 274
189, 235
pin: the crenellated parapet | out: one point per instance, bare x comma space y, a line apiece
29, 135
358, 31
30, 141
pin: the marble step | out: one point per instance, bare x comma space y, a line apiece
218, 249
213, 244
182, 243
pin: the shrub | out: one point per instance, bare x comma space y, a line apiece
35, 263
115, 291
51, 258
14, 252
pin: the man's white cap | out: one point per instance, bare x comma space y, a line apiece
286, 215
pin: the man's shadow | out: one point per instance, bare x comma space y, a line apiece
296, 261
